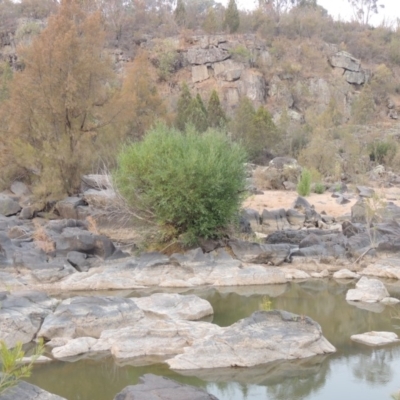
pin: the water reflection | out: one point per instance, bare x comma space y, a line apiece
355, 371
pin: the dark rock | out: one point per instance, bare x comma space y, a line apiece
67, 208
349, 229
253, 218
274, 220
342, 200
295, 218
310, 240
358, 212
26, 391
153, 387
301, 204
208, 245
78, 260
8, 206
256, 253
59, 225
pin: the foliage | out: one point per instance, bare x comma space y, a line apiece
364, 9
319, 188
266, 304
232, 18
31, 28
304, 185
187, 183
363, 107
5, 80
184, 101
240, 53
197, 114
58, 107
166, 57
180, 13
382, 151
140, 104
12, 370
210, 24
215, 113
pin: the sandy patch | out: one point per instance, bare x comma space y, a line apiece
274, 199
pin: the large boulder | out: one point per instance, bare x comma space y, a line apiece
69, 207
368, 290
274, 220
26, 391
8, 206
153, 387
376, 338
89, 316
345, 60
22, 314
261, 338
228, 70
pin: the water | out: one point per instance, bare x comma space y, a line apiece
354, 372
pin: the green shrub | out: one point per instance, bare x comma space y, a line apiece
381, 151
12, 370
304, 185
190, 185
319, 188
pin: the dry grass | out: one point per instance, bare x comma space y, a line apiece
42, 239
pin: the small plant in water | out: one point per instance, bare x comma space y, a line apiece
266, 304
304, 185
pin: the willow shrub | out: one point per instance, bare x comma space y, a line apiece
190, 184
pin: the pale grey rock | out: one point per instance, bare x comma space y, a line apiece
21, 315
26, 391
364, 191
152, 387
357, 78
280, 92
274, 220
96, 181
381, 270
175, 306
8, 206
89, 316
376, 338
74, 347
320, 275
228, 70
346, 274
199, 73
345, 60
389, 301
151, 337
196, 56
293, 273
100, 198
20, 189
367, 290
67, 208
263, 337
252, 85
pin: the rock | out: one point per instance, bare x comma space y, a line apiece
364, 191
100, 198
376, 338
311, 240
74, 347
27, 212
67, 208
8, 206
338, 187
21, 315
228, 70
256, 253
358, 212
345, 60
279, 170
380, 270
252, 85
175, 306
26, 391
390, 301
89, 316
357, 78
301, 204
78, 260
253, 218
95, 181
295, 218
368, 290
261, 338
350, 229
274, 220
342, 200
196, 56
153, 387
292, 273
346, 274
199, 73
20, 189
19, 233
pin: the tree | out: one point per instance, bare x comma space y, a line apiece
184, 102
184, 184
232, 18
197, 114
58, 101
180, 13
210, 24
216, 115
277, 7
139, 101
364, 9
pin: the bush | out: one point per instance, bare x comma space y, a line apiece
304, 185
319, 188
186, 183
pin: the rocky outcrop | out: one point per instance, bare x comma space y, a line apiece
26, 391
152, 387
259, 339
353, 73
376, 338
21, 315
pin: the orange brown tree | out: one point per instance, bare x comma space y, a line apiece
59, 101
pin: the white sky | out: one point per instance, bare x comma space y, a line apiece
341, 9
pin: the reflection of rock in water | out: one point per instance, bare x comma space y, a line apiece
376, 366
316, 285
373, 307
264, 290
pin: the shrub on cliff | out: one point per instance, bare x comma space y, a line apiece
189, 184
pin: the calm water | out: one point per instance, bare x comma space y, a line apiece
354, 372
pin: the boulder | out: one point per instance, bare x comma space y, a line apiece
20, 189
256, 253
95, 181
274, 220
78, 260
26, 391
199, 73
368, 290
68, 208
346, 274
295, 218
175, 306
197, 56
388, 270
345, 60
252, 217
359, 212
376, 338
263, 337
89, 316
357, 78
364, 191
74, 347
153, 387
21, 315
228, 70
8, 206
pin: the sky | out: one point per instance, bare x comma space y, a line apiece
341, 9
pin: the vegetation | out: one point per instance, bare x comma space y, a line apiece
189, 185
12, 368
304, 185
232, 18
